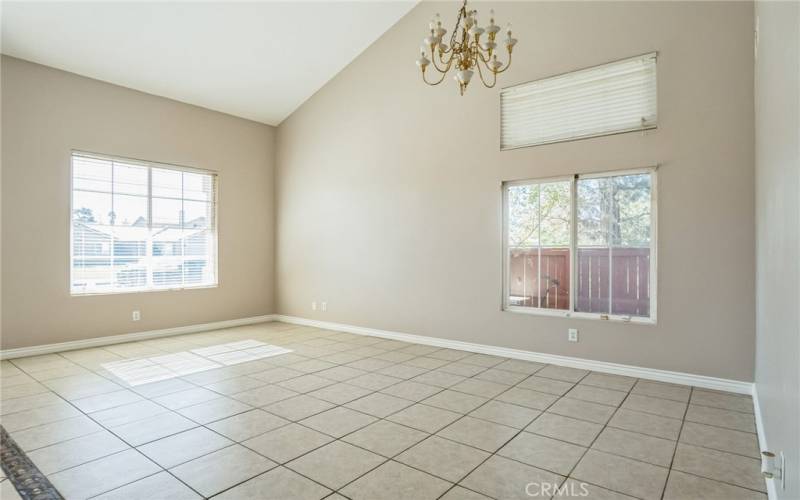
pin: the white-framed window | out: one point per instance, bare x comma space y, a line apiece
602, 100
582, 246
140, 226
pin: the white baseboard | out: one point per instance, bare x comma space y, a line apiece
772, 492
702, 381
129, 337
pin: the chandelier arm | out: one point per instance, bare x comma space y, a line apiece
480, 73
444, 74
506, 66
446, 64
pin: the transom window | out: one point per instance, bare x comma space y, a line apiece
140, 226
582, 246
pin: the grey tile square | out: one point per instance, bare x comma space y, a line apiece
459, 493
609, 381
448, 354
681, 486
263, 396
500, 477
548, 385
215, 409
482, 388
105, 474
279, 483
298, 407
336, 464
423, 417
234, 385
161, 486
455, 401
528, 398
374, 381
580, 489
720, 466
412, 391
656, 406
306, 383
39, 416
340, 393
506, 414
641, 447
562, 373
54, 432
463, 369
370, 364
150, 429
287, 443
438, 378
106, 401
402, 371
393, 481
485, 360
542, 452
67, 454
443, 458
426, 363
156, 389
247, 425
478, 433
646, 423
338, 421
621, 474
661, 390
742, 443
341, 373
419, 349
568, 429
730, 419
395, 356
312, 365
218, 471
182, 399
385, 438
275, 375
379, 405
597, 395
582, 410
128, 413
520, 366
735, 402
184, 446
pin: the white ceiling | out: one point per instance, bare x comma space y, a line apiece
257, 60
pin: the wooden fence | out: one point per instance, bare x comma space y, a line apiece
629, 285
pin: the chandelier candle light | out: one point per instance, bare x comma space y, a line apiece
466, 51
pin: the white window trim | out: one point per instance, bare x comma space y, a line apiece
571, 313
149, 164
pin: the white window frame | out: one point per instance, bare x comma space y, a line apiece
150, 165
573, 246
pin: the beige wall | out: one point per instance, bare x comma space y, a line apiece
389, 191
778, 232
45, 114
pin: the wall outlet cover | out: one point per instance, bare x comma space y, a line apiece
572, 334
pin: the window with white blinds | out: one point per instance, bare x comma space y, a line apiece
602, 100
139, 226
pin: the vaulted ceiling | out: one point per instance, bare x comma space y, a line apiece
256, 60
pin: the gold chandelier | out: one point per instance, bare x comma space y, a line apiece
466, 51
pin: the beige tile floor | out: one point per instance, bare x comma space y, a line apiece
347, 416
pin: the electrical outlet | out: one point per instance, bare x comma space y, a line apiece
572, 334
324, 306
136, 315
314, 306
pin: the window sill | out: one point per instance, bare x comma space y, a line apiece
556, 313
141, 290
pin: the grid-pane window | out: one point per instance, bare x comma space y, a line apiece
138, 226
582, 245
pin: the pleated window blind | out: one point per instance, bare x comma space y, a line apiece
602, 100
139, 226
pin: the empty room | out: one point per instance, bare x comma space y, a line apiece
400, 250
